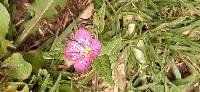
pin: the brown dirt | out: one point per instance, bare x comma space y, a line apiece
21, 9
77, 6
49, 28
193, 89
183, 68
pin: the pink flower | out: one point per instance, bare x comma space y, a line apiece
82, 50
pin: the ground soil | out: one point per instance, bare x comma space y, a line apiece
47, 28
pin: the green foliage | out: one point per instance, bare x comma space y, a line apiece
158, 88
25, 89
101, 14
35, 58
57, 49
188, 80
4, 28
66, 88
88, 78
44, 84
130, 61
173, 23
177, 89
112, 49
55, 87
56, 53
5, 2
13, 88
102, 66
16, 67
168, 28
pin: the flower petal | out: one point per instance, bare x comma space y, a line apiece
83, 36
96, 48
83, 65
73, 51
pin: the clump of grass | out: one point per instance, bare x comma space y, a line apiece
166, 28
147, 46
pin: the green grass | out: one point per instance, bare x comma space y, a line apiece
165, 32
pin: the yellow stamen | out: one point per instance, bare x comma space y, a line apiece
87, 52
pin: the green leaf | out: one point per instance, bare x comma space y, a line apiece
43, 87
88, 77
4, 44
56, 85
112, 49
67, 88
57, 49
17, 67
25, 89
5, 20
178, 88
187, 80
158, 88
184, 48
4, 28
190, 6
173, 23
56, 53
114, 59
102, 66
35, 58
130, 60
97, 3
41, 9
5, 2
13, 88
101, 14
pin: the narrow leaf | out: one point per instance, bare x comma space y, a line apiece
101, 15
112, 49
56, 85
102, 66
44, 84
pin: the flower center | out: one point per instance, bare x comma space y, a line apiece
87, 52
